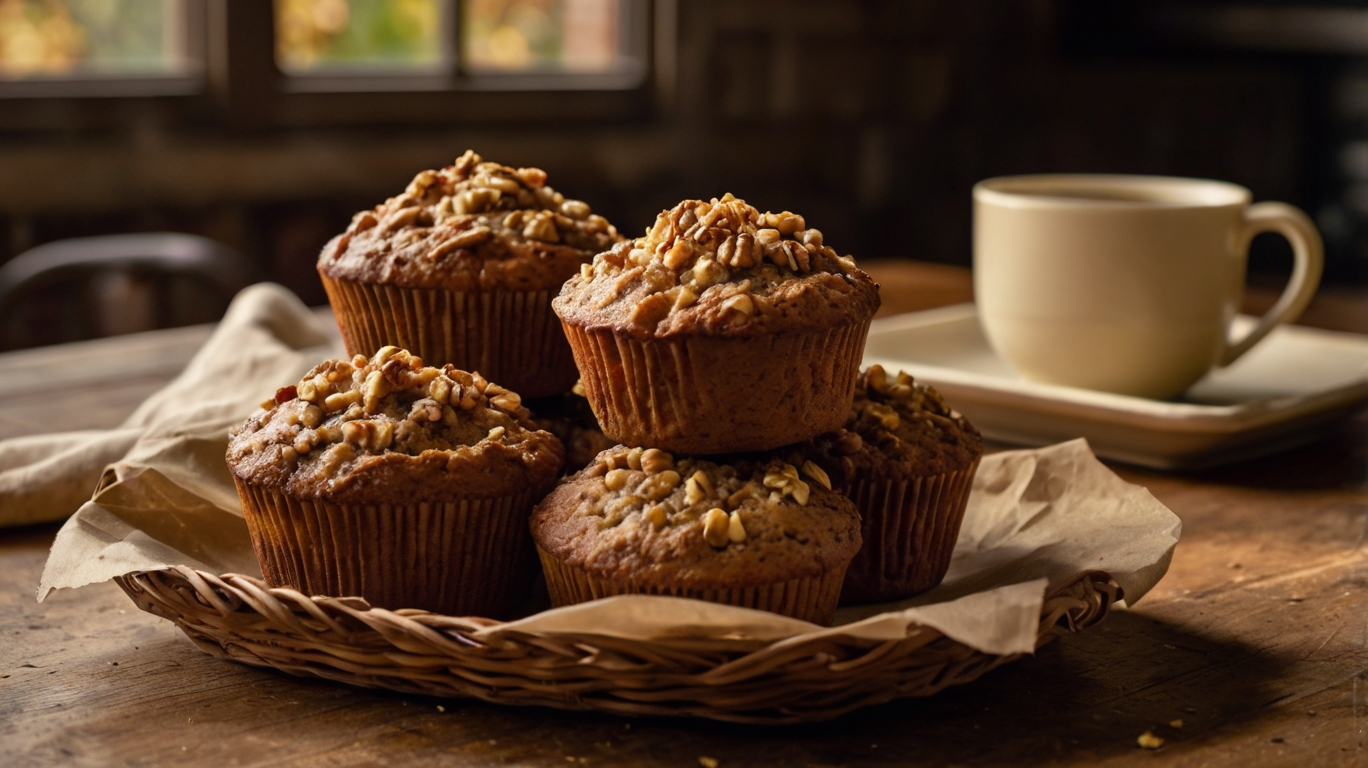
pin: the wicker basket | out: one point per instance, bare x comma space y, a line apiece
786, 681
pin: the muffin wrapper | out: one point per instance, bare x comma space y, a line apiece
909, 529
811, 599
510, 337
470, 557
708, 394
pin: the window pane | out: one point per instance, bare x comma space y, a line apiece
331, 34
110, 38
539, 35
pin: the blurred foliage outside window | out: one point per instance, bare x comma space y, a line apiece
495, 35
314, 34
57, 38
522, 35
91, 37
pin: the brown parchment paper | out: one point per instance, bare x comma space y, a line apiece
1036, 518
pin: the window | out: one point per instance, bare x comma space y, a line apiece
360, 35
545, 35
290, 62
357, 45
97, 47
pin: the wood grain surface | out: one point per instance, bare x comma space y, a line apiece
1252, 651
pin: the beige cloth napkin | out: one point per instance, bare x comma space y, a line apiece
268, 338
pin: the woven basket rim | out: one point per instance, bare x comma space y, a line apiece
788, 680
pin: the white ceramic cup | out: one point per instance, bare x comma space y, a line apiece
1125, 284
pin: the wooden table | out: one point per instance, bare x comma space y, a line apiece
1252, 651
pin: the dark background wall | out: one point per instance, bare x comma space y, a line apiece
872, 118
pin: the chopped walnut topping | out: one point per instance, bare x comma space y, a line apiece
884, 414
740, 303
722, 246
616, 479
693, 490
783, 479
657, 487
477, 200
895, 427
849, 443
881, 399
652, 483
715, 524
736, 532
655, 460
816, 473
343, 410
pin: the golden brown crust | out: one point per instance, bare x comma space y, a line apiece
692, 523
472, 226
387, 429
719, 268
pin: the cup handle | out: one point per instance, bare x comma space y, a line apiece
1309, 260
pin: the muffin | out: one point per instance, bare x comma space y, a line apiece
721, 330
461, 268
907, 460
407, 485
751, 533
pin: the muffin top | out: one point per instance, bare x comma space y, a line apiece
387, 429
897, 428
645, 515
470, 226
721, 268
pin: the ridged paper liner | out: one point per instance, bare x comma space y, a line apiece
811, 599
466, 557
909, 529
707, 394
510, 337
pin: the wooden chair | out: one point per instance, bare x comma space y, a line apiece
92, 287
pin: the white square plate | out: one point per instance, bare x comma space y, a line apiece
1292, 385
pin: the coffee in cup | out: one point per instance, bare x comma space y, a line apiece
1125, 284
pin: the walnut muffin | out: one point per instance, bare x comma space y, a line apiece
407, 485
721, 330
461, 269
907, 460
751, 533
